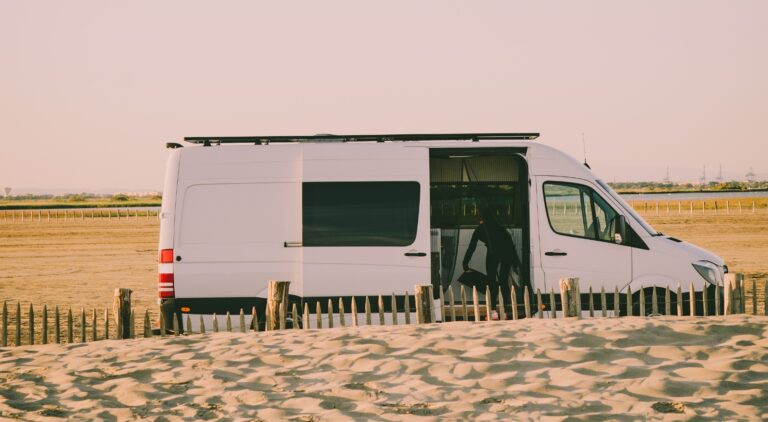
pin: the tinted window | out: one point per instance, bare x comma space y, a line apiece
576, 210
360, 213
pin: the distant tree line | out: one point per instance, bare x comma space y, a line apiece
688, 187
74, 197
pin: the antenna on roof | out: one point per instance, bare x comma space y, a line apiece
584, 145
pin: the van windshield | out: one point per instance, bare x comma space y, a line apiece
628, 208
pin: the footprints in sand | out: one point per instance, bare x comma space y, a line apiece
633, 367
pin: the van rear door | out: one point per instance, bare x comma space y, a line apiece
365, 219
236, 206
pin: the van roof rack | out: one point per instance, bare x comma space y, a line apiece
259, 140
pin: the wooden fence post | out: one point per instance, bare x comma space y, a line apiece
654, 302
255, 318
667, 302
342, 311
733, 293
539, 304
283, 310
452, 301
31, 324
305, 319
616, 302
629, 301
70, 327
591, 303
717, 299
679, 300
353, 305
527, 302
94, 335
57, 328
188, 328
754, 296
45, 324
202, 325
82, 325
425, 306
513, 296
381, 309
277, 293
394, 309
552, 302
475, 304
175, 324
214, 324
463, 293
330, 313
765, 298
228, 322
569, 296
18, 324
704, 301
148, 324
407, 308
488, 303
106, 324
122, 310
318, 315
692, 303
642, 301
604, 309
367, 310
242, 319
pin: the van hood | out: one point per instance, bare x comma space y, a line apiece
694, 252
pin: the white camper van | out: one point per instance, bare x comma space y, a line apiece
363, 215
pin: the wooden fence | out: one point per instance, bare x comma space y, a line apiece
58, 326
79, 214
699, 207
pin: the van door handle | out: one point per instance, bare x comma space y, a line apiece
415, 254
556, 252
292, 244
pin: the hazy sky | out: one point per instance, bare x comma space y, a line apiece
91, 91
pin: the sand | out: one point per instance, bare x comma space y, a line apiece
620, 369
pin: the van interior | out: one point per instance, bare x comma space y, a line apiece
479, 220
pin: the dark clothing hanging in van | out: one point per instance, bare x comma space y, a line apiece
500, 257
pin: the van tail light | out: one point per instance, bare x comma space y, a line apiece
165, 274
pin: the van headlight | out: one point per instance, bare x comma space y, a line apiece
709, 272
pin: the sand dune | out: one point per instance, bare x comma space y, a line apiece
624, 369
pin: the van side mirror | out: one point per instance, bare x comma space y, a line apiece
619, 229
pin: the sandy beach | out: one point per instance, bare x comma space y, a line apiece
620, 369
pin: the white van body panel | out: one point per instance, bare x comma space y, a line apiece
234, 211
227, 211
356, 271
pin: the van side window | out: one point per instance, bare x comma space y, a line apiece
360, 213
577, 210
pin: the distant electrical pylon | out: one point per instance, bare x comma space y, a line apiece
666, 178
750, 175
720, 174
703, 178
